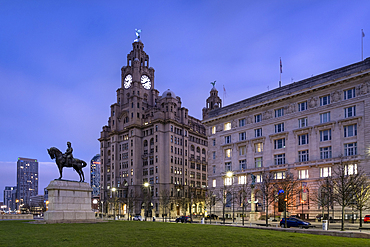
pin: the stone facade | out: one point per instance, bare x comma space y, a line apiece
304, 127
150, 138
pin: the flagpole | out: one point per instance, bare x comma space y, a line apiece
281, 70
362, 45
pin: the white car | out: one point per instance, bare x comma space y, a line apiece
137, 218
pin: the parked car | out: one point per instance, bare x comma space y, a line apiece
294, 222
367, 219
183, 219
212, 216
138, 218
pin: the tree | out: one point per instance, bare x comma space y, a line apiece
323, 195
266, 188
210, 201
165, 201
287, 187
362, 194
244, 195
346, 181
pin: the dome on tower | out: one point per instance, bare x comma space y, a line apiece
168, 93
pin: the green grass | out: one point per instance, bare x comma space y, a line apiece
128, 233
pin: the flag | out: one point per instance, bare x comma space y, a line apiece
281, 66
224, 90
363, 34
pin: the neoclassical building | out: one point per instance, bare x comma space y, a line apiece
304, 127
153, 153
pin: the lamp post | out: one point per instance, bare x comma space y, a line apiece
114, 202
230, 175
147, 185
102, 209
302, 202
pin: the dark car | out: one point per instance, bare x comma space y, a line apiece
183, 219
212, 216
294, 222
367, 219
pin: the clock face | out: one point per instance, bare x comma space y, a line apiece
128, 81
145, 81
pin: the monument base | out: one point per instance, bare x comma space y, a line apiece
69, 202
253, 216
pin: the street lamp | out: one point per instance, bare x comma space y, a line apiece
230, 175
147, 185
114, 203
102, 209
302, 202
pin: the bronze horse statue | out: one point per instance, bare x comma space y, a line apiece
60, 160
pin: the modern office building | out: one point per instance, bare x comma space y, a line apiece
153, 153
27, 180
305, 128
95, 176
10, 197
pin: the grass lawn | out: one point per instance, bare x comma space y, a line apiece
133, 233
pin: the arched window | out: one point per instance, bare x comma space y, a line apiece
198, 149
145, 143
192, 148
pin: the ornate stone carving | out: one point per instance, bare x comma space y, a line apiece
267, 115
312, 102
362, 89
335, 96
249, 120
234, 124
290, 108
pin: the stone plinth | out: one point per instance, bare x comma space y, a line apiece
69, 202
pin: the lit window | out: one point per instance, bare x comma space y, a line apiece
228, 181
213, 130
325, 172
228, 153
214, 183
351, 169
258, 147
242, 180
259, 178
258, 162
303, 174
279, 175
227, 126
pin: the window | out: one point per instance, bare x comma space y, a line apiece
279, 159
227, 166
258, 118
258, 132
214, 155
303, 156
350, 149
325, 172
350, 130
213, 130
325, 135
302, 122
302, 106
228, 181
349, 94
279, 143
279, 112
228, 153
325, 153
258, 147
258, 162
303, 174
279, 127
241, 122
325, 100
279, 175
303, 139
351, 169
242, 164
242, 136
227, 139
242, 179
214, 183
227, 126
242, 150
350, 112
259, 178
214, 142
325, 117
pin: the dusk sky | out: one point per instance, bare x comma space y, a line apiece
60, 61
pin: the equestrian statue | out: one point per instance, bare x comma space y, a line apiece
67, 160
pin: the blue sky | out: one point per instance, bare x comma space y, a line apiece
60, 61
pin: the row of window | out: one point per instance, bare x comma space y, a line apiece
303, 156
324, 117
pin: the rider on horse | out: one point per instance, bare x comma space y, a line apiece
68, 154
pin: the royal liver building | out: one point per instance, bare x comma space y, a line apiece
153, 153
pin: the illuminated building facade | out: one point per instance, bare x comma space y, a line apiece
27, 180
